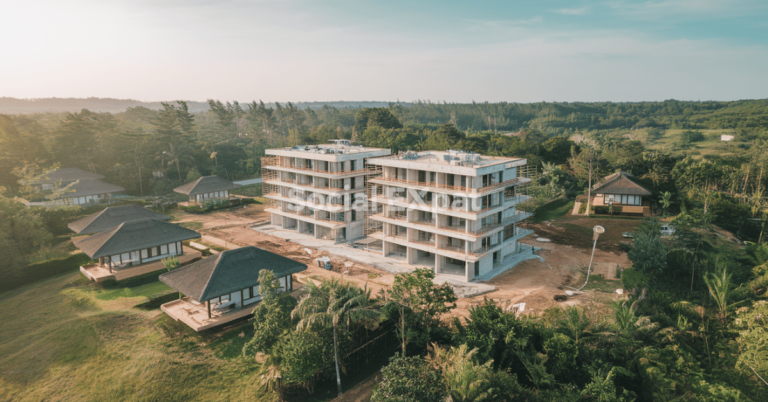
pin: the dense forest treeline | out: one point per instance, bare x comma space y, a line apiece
149, 152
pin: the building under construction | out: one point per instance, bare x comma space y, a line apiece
319, 190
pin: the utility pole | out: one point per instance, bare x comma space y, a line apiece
589, 189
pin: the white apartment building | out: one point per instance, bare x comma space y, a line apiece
319, 189
452, 211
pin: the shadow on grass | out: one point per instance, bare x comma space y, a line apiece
553, 210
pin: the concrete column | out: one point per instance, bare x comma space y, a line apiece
411, 255
439, 263
469, 271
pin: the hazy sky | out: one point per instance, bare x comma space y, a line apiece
455, 51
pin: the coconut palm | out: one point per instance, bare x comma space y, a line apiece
627, 321
270, 377
465, 379
576, 323
335, 303
666, 201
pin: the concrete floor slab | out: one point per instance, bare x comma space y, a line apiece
391, 265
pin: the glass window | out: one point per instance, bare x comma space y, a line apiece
164, 249
144, 253
255, 291
247, 293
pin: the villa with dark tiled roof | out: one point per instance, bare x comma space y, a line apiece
207, 188
60, 178
134, 248
110, 217
220, 288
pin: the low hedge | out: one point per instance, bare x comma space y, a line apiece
43, 270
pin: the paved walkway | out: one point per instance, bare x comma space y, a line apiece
376, 260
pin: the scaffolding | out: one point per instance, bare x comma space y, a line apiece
530, 172
270, 161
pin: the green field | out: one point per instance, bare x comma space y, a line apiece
67, 339
710, 146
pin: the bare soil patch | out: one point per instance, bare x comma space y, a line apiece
578, 232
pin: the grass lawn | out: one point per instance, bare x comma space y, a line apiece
61, 342
553, 210
191, 225
145, 290
599, 283
66, 338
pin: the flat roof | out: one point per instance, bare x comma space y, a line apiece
337, 148
450, 158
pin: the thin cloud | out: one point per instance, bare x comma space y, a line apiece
572, 11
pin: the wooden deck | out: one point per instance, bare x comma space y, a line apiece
98, 273
195, 314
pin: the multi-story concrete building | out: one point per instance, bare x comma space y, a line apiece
319, 189
453, 211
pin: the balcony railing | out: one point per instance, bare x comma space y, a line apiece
463, 189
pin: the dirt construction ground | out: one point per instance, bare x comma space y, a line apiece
533, 282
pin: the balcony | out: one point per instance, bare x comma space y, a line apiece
447, 188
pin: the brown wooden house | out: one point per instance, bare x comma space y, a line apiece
618, 194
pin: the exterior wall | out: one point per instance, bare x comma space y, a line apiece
209, 196
250, 295
145, 255
86, 200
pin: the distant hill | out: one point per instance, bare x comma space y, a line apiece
59, 105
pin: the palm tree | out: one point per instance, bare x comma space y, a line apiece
666, 201
175, 156
270, 376
627, 321
720, 289
332, 304
576, 323
466, 380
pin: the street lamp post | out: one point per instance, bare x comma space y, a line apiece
597, 230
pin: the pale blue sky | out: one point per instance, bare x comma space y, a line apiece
455, 51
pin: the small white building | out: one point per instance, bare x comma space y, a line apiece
727, 137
